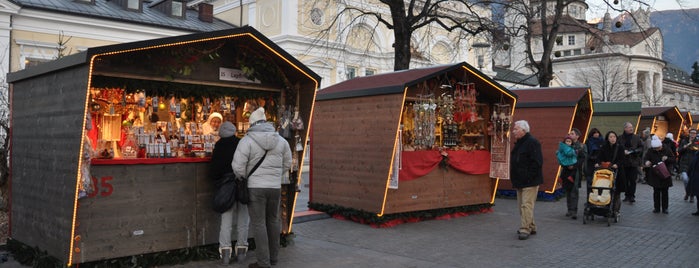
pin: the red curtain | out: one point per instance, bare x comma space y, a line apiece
416, 164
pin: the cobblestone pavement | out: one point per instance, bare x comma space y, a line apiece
640, 239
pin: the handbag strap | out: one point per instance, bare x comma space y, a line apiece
257, 165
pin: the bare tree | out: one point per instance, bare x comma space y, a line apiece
404, 18
537, 23
607, 80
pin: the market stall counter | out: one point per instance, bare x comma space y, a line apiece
111, 146
410, 141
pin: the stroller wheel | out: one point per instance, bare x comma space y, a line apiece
609, 221
584, 219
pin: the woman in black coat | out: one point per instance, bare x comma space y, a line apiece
693, 174
610, 156
656, 154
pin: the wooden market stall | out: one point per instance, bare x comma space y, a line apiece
377, 139
552, 113
151, 194
661, 120
687, 124
611, 116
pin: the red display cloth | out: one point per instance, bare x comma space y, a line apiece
149, 161
474, 162
416, 164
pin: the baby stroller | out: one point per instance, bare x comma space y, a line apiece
601, 198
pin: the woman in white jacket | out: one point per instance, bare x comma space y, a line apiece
262, 140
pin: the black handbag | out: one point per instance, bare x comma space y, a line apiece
224, 198
242, 194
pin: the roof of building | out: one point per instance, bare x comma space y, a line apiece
398, 81
674, 73
245, 36
510, 76
569, 24
617, 108
550, 96
111, 10
655, 111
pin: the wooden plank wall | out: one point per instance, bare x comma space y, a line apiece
440, 189
549, 125
353, 142
47, 118
146, 208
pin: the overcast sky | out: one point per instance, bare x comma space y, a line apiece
598, 7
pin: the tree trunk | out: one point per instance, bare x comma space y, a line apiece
401, 34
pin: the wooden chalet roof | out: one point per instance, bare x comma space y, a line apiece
396, 82
688, 118
617, 108
655, 111
245, 36
550, 97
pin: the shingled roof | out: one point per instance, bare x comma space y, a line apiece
110, 10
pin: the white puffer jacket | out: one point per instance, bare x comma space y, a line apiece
262, 137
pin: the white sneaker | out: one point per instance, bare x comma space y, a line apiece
240, 253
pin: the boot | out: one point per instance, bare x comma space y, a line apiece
240, 253
225, 255
691, 199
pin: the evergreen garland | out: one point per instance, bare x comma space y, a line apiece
389, 220
35, 257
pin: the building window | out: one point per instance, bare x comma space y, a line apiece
559, 40
351, 72
571, 40
176, 9
566, 53
368, 72
577, 52
134, 4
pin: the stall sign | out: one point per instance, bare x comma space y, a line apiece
235, 75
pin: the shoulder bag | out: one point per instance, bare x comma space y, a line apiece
224, 198
242, 193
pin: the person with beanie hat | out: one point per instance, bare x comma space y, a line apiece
669, 142
263, 143
212, 125
257, 115
221, 159
657, 154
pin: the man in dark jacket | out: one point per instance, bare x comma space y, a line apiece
525, 173
633, 149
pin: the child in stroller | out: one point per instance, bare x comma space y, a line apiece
599, 201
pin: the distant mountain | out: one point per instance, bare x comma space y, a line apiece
680, 30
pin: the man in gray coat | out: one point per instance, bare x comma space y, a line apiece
262, 140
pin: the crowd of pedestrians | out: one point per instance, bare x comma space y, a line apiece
645, 159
